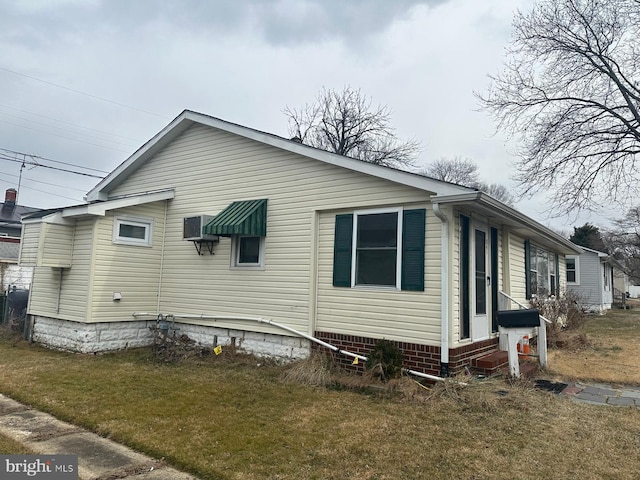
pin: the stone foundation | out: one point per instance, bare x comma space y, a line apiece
101, 337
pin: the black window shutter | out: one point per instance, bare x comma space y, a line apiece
527, 268
557, 275
342, 250
413, 225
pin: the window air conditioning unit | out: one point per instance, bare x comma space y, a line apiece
193, 226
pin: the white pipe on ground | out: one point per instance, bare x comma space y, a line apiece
289, 329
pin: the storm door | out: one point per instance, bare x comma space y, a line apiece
480, 283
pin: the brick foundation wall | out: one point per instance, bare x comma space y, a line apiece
418, 357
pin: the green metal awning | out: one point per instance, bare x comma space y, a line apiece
248, 217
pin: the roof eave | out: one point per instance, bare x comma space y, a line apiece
508, 213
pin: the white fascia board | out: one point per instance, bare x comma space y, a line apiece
101, 208
597, 252
52, 218
188, 118
101, 191
506, 212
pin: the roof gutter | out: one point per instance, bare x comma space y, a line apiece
481, 198
444, 291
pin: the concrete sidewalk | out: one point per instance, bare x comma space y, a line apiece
98, 458
600, 394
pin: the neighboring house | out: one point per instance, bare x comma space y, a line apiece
621, 282
332, 247
10, 230
590, 276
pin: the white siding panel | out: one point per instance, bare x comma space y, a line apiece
133, 271
29, 244
57, 245
75, 293
208, 170
64, 292
516, 262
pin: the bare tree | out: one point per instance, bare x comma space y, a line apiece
497, 191
345, 122
570, 91
623, 240
464, 171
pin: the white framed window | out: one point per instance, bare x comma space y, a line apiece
542, 276
377, 248
247, 251
573, 269
133, 231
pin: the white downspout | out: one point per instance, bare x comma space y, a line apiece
444, 292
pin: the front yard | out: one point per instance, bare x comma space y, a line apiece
234, 418
612, 354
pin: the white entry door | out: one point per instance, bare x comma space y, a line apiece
480, 283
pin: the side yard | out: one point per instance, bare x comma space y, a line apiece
234, 418
611, 353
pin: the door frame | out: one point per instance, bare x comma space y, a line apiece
480, 305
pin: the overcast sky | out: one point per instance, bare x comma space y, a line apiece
86, 82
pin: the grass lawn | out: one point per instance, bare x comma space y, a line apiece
613, 353
221, 418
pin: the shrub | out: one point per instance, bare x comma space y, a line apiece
385, 360
565, 312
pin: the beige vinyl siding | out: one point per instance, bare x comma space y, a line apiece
57, 246
383, 313
29, 244
208, 170
131, 270
517, 274
562, 263
454, 252
64, 292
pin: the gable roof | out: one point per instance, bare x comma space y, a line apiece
189, 118
443, 192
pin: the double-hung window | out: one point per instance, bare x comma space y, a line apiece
133, 231
377, 257
542, 269
573, 275
380, 248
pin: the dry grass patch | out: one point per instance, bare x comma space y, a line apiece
611, 353
228, 418
10, 446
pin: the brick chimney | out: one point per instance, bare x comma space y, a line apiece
10, 197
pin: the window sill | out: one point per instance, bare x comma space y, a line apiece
383, 288
253, 268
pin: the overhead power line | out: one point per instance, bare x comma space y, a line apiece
138, 141
43, 191
30, 160
64, 136
80, 92
44, 183
66, 130
51, 160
